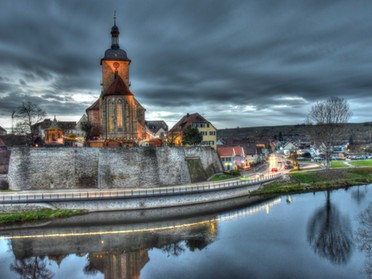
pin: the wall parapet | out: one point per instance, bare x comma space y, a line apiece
106, 168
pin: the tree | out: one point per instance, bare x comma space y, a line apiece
191, 136
364, 237
29, 114
330, 234
326, 123
87, 127
280, 137
33, 267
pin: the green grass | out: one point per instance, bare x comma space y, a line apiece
223, 176
37, 215
362, 163
279, 188
338, 164
318, 180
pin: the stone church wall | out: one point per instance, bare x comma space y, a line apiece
106, 168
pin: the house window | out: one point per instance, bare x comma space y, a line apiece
212, 133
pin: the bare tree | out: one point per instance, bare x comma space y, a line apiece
364, 237
33, 267
29, 114
326, 123
330, 234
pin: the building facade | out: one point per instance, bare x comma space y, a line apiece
232, 157
195, 120
53, 132
117, 116
156, 129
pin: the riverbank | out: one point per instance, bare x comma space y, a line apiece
37, 215
317, 180
297, 182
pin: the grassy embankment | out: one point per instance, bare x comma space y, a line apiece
37, 215
338, 164
224, 176
309, 181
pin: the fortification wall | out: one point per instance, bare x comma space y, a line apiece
106, 168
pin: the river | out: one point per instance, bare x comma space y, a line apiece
312, 235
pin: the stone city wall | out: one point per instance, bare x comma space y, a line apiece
107, 168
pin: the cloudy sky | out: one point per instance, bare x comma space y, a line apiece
238, 63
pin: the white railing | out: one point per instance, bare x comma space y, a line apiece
76, 195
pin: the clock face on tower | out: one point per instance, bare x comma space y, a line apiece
116, 65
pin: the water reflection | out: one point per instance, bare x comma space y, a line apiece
32, 267
364, 237
116, 255
115, 250
359, 194
330, 234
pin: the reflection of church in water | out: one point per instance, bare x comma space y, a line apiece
116, 116
116, 256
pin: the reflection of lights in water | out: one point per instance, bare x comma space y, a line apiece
223, 217
289, 199
249, 211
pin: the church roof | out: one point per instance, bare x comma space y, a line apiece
95, 106
115, 54
118, 88
2, 130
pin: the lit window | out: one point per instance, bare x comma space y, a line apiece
119, 115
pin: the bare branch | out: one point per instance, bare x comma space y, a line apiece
326, 123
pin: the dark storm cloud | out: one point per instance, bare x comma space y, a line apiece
241, 63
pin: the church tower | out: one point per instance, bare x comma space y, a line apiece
115, 62
117, 115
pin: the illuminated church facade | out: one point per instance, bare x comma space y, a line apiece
116, 116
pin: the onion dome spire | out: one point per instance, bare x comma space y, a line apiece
115, 52
115, 35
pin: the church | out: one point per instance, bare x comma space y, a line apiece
117, 118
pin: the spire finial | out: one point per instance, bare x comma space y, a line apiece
115, 17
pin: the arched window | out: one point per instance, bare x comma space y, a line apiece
119, 114
111, 115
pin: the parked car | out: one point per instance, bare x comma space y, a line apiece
274, 169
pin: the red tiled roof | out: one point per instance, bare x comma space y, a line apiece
225, 151
188, 120
118, 87
228, 151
